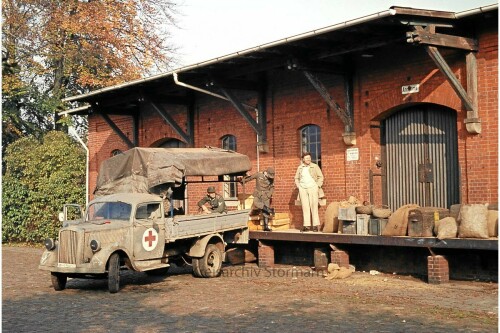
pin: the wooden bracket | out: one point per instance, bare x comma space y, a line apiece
117, 130
424, 37
345, 116
171, 121
469, 97
258, 128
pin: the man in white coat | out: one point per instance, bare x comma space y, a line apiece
309, 180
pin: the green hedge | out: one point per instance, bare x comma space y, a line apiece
39, 178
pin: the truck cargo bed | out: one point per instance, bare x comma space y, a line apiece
186, 226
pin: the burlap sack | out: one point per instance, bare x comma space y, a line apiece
398, 221
493, 223
331, 220
336, 272
473, 221
447, 228
455, 212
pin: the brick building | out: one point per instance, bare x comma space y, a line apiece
397, 107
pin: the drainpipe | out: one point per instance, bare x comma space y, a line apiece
257, 136
72, 130
185, 85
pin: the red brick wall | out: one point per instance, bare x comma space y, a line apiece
292, 103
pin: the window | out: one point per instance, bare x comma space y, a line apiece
109, 210
149, 211
310, 137
116, 152
230, 188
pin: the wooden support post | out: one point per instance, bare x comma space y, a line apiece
472, 122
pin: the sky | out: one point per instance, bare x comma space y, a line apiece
212, 28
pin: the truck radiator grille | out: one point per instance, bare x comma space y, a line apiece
68, 245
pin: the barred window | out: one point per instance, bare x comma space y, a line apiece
310, 137
230, 188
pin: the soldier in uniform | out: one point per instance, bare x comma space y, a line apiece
264, 189
215, 202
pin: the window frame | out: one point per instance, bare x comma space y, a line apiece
307, 145
230, 189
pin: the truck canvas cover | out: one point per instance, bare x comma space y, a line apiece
142, 170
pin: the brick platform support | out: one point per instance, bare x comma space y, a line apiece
437, 270
266, 255
340, 258
321, 259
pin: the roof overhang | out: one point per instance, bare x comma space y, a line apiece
325, 47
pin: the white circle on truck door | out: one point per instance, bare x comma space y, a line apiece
149, 239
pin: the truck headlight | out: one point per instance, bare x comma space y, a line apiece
50, 244
95, 245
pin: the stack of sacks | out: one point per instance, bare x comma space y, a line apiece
332, 213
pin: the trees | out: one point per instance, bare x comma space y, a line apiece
40, 177
52, 49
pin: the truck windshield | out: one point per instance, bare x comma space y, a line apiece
109, 210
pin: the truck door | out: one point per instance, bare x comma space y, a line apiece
148, 231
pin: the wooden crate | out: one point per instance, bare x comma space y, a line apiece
362, 221
347, 213
421, 220
349, 227
376, 226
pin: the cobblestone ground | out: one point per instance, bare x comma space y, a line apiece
243, 299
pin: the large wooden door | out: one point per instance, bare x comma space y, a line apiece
421, 157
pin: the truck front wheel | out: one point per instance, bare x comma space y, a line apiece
210, 264
58, 281
114, 273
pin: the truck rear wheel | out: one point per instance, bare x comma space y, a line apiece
210, 264
58, 281
114, 273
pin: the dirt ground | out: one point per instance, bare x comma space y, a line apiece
243, 299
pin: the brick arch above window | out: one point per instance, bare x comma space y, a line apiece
168, 143
115, 152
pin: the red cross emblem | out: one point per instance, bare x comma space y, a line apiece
149, 239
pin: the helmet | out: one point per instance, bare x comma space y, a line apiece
270, 172
211, 189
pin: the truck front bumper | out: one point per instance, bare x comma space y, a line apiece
49, 262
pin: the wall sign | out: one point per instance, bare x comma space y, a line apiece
352, 154
412, 88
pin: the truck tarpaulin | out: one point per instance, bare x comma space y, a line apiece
140, 170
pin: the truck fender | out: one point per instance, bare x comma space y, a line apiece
101, 258
197, 250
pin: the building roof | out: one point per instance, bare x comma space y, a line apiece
321, 50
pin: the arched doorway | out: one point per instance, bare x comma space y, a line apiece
421, 157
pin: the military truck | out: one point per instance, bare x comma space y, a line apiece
133, 224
